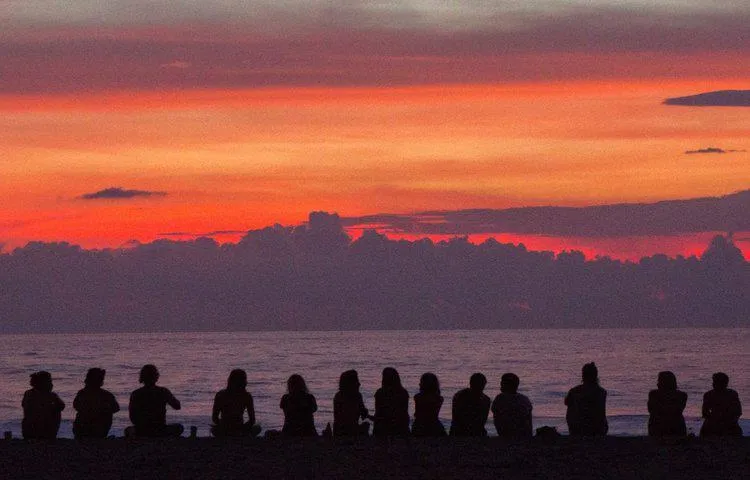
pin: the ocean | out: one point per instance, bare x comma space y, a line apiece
194, 366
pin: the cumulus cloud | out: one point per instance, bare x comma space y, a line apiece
120, 193
314, 277
720, 98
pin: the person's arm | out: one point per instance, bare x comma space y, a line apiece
172, 401
216, 411
59, 404
250, 410
133, 409
736, 406
706, 408
113, 405
77, 401
455, 407
314, 404
363, 412
486, 411
650, 404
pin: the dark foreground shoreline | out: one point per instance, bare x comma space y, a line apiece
448, 458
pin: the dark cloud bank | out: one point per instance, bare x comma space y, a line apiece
118, 193
721, 98
315, 277
728, 213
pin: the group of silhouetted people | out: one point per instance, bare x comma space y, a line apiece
233, 412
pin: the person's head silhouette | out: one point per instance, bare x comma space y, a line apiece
391, 378
590, 374
94, 377
509, 383
666, 381
41, 380
429, 384
477, 382
237, 380
149, 375
720, 381
349, 382
296, 384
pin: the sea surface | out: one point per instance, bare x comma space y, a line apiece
195, 366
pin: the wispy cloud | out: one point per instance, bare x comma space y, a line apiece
118, 193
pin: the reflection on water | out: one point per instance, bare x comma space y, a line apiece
195, 366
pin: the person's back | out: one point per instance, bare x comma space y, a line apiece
148, 407
586, 404
391, 406
427, 404
230, 405
665, 407
511, 410
349, 407
94, 407
721, 409
41, 409
298, 406
470, 409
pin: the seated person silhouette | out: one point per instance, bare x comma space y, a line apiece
721, 409
299, 406
391, 406
587, 404
94, 406
471, 407
427, 405
349, 408
665, 407
230, 406
511, 410
148, 408
41, 408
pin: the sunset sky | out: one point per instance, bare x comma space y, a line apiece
233, 115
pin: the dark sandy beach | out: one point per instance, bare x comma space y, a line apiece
438, 458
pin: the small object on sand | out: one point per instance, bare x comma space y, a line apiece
8, 435
193, 432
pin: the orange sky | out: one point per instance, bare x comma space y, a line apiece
243, 159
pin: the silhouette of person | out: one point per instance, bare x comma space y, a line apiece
511, 410
427, 405
665, 407
587, 405
41, 408
299, 406
721, 409
94, 406
348, 407
229, 409
471, 407
391, 406
148, 407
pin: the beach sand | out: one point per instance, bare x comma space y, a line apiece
449, 458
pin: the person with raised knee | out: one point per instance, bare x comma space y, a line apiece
148, 407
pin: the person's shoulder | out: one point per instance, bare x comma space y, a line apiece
460, 394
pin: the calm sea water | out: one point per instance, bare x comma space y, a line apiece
195, 365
